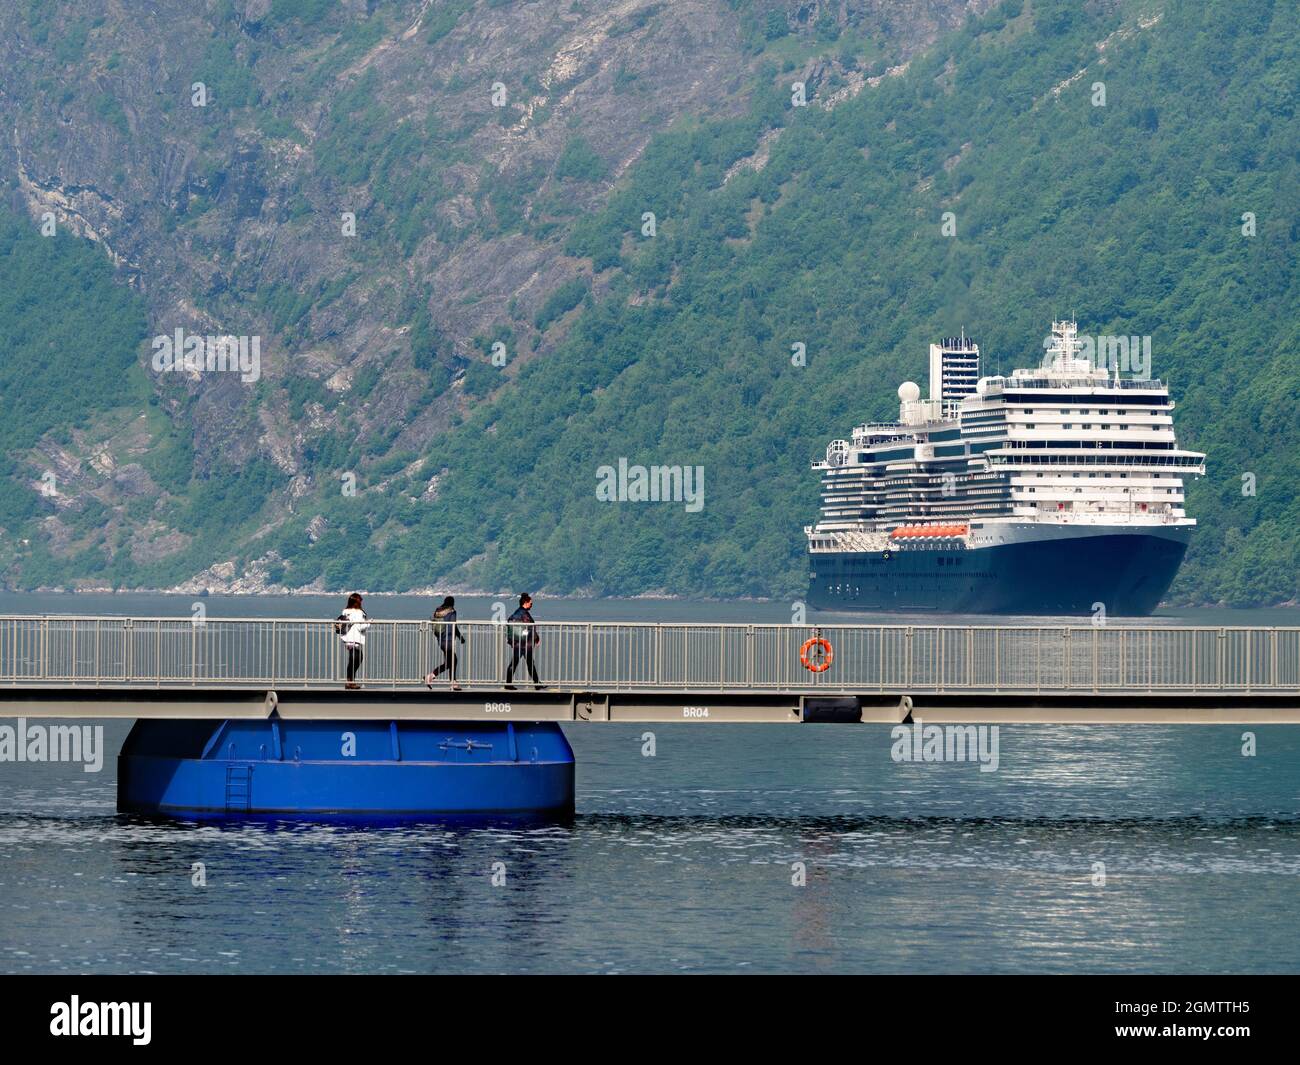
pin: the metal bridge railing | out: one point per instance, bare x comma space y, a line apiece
90, 651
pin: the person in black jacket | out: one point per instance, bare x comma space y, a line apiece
521, 634
447, 633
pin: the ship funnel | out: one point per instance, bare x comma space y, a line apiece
954, 370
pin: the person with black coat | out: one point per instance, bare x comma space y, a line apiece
447, 633
521, 635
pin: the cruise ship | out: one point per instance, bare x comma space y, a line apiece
1055, 491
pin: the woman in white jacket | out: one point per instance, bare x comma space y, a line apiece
351, 627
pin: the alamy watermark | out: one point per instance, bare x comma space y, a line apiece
1130, 355
629, 483
77, 1018
919, 742
193, 353
53, 743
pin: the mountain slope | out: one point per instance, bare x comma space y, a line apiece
378, 191
774, 225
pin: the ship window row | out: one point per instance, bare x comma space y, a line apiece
1033, 489
985, 482
1103, 412
845, 490
1085, 458
1154, 432
1152, 476
1106, 465
1075, 445
1134, 417
1152, 399
907, 489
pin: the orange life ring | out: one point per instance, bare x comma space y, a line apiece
827, 650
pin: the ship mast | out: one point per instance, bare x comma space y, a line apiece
1065, 344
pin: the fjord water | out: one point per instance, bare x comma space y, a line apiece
685, 861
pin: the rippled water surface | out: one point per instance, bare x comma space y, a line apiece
685, 861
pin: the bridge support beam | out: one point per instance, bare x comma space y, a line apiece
409, 704
644, 706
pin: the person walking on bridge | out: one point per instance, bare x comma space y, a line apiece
521, 635
351, 628
447, 633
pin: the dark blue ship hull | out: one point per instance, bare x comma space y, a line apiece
371, 769
1127, 573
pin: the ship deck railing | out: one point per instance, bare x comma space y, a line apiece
88, 652
1012, 382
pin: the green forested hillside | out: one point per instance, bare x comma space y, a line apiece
71, 342
821, 226
1129, 215
71, 334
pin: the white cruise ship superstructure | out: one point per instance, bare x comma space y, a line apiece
1050, 491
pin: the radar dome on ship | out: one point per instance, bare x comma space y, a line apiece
909, 392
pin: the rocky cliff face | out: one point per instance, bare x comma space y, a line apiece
378, 191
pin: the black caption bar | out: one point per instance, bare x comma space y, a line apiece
356, 1013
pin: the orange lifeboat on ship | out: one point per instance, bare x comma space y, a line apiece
908, 532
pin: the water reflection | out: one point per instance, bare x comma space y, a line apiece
683, 862
618, 892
